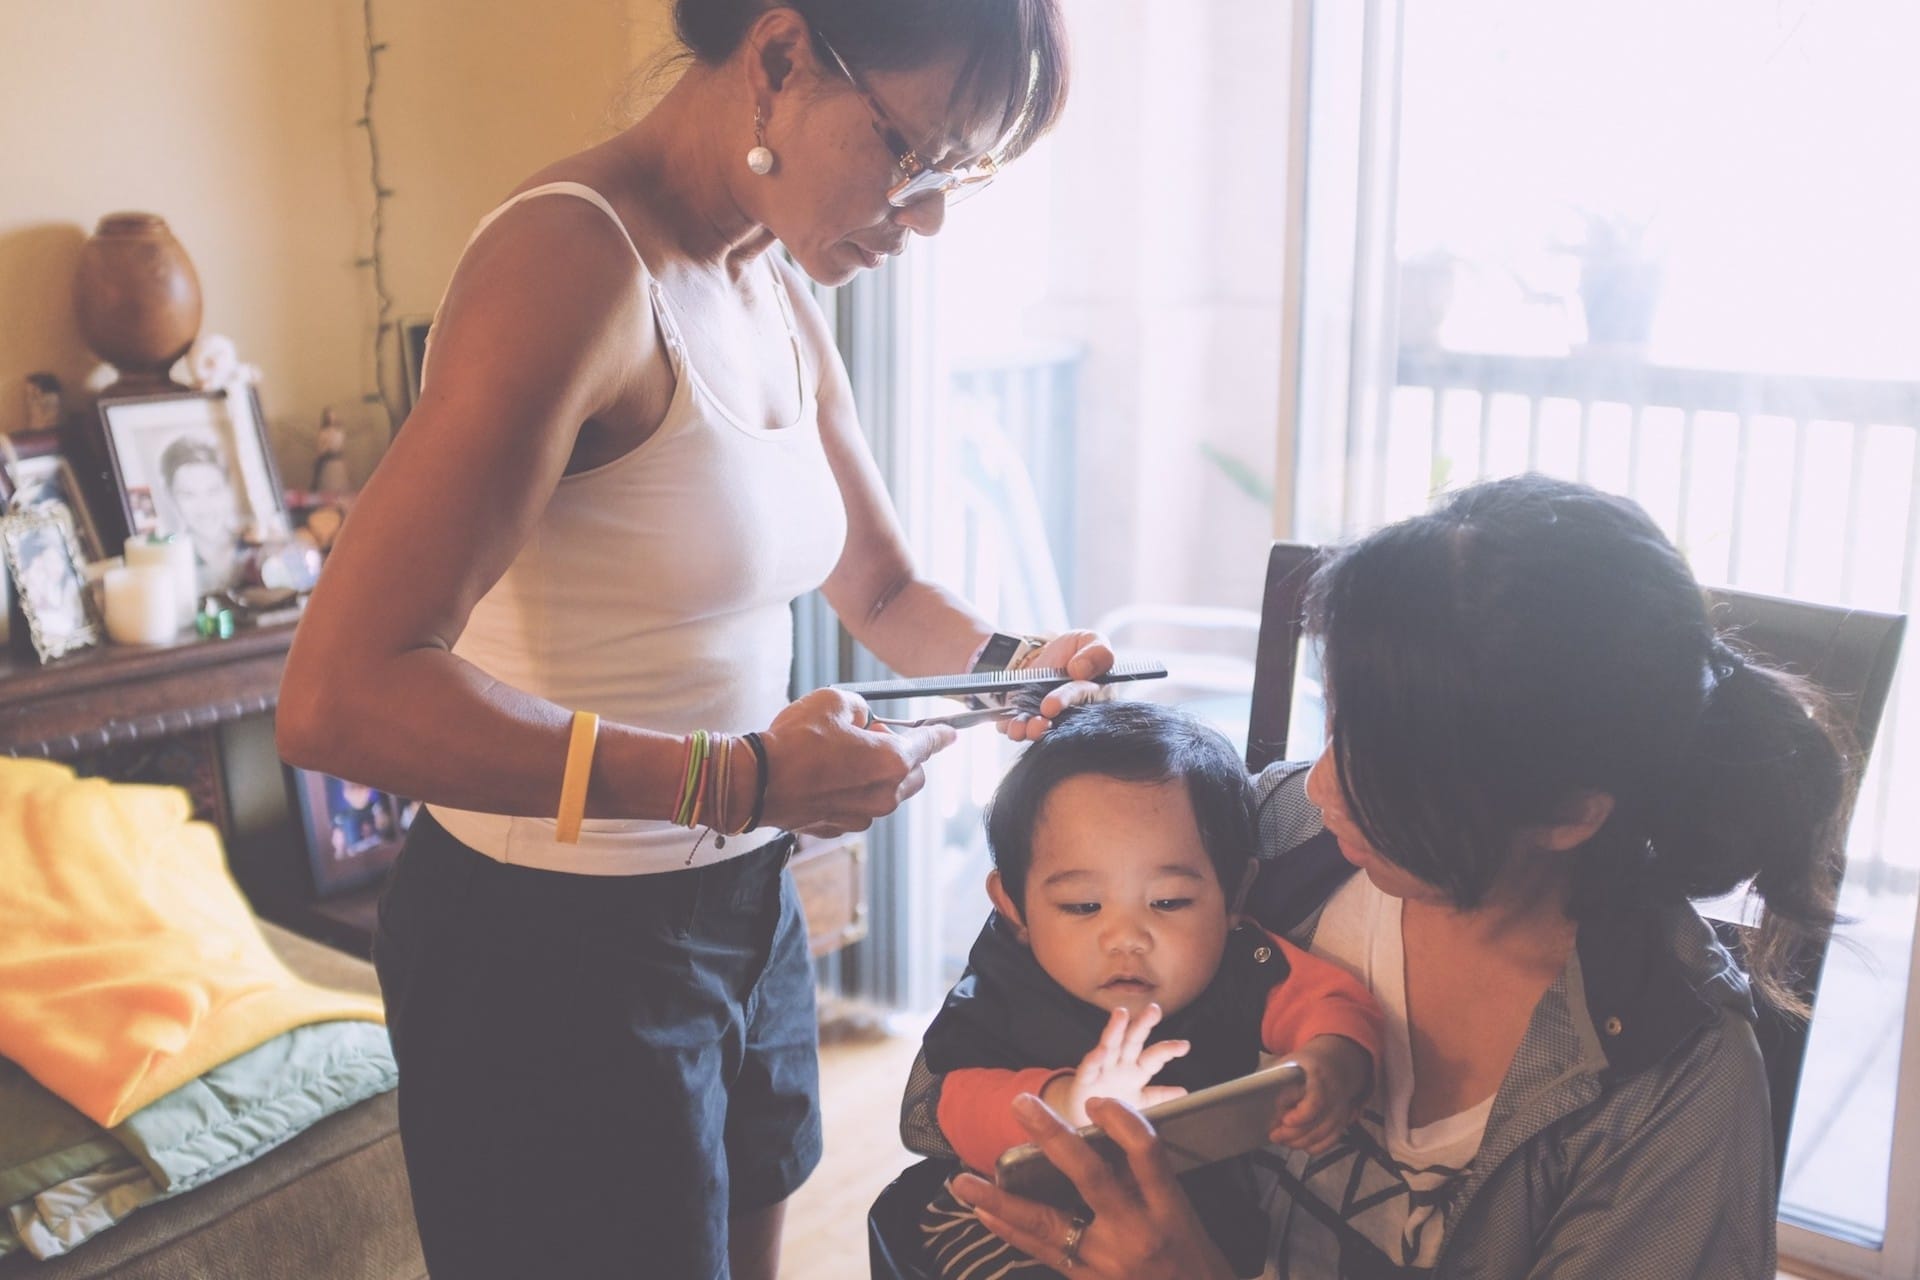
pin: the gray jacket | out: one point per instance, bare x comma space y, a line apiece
1630, 1139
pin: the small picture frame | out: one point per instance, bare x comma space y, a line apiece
50, 578
197, 464
353, 832
42, 482
413, 354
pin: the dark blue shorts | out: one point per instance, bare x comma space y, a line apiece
596, 1071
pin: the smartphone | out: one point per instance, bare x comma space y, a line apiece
1205, 1126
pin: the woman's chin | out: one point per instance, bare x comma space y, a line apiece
829, 270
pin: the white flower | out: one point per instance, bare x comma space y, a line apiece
213, 363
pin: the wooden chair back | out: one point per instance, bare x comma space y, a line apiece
1849, 654
1290, 567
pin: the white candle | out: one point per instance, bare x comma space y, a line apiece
140, 605
175, 554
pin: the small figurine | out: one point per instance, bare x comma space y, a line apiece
43, 401
330, 462
322, 526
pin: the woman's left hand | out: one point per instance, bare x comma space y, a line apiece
1143, 1228
1082, 655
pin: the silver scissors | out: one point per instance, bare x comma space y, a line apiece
958, 719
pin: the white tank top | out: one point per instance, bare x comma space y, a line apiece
656, 590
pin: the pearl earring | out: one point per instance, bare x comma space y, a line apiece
760, 159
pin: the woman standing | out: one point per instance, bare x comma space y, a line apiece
634, 448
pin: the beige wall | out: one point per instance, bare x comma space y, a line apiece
233, 119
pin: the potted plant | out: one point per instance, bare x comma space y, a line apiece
1620, 277
1426, 283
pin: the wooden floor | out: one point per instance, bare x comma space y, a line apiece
863, 1069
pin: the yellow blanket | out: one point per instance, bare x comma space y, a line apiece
129, 962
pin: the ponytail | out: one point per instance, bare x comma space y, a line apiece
1758, 798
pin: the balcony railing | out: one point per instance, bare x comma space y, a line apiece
1802, 486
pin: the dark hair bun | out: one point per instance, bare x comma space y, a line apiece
712, 29
1761, 788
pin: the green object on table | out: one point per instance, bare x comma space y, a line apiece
213, 622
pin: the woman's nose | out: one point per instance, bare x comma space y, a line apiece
923, 215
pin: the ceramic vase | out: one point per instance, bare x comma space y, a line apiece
137, 298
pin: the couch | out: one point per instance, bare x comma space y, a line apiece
329, 1204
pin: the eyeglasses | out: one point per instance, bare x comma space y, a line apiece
917, 178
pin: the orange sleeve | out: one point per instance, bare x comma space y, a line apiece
1319, 998
976, 1110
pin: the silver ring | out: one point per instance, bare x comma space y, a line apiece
1070, 1250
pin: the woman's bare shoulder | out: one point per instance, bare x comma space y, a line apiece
599, 167
611, 174
552, 252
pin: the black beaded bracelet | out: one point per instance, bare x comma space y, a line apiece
759, 780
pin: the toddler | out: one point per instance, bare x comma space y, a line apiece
1113, 967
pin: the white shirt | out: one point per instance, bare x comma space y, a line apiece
1388, 1178
656, 591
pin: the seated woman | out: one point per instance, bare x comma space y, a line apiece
1539, 750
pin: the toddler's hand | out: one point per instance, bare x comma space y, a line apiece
1339, 1078
1120, 1066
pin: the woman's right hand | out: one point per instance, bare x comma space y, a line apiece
830, 769
1143, 1228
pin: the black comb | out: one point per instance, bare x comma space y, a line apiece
997, 681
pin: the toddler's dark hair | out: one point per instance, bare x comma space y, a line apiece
1130, 742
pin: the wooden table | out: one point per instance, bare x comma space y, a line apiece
113, 694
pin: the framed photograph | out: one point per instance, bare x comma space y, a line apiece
49, 574
353, 832
195, 463
413, 353
43, 482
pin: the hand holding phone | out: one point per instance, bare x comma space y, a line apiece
1201, 1128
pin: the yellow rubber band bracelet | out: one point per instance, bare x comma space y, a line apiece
573, 783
